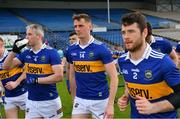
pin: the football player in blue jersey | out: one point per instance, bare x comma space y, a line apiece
15, 99
161, 44
151, 78
43, 70
89, 59
178, 55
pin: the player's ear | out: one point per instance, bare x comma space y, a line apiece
90, 26
145, 32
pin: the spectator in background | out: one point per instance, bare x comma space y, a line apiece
117, 51
178, 55
152, 79
43, 70
89, 59
15, 98
160, 44
73, 38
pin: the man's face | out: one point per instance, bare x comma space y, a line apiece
32, 37
178, 54
132, 36
73, 39
82, 28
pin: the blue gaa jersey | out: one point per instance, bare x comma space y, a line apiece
161, 45
39, 64
89, 69
151, 77
11, 75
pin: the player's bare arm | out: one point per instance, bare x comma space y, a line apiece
72, 81
112, 72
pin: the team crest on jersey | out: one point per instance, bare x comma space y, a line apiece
43, 58
91, 54
148, 74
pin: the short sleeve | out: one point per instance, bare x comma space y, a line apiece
170, 72
106, 55
54, 57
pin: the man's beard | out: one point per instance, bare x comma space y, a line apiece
136, 47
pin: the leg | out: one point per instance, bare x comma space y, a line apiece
97, 108
80, 109
12, 113
81, 116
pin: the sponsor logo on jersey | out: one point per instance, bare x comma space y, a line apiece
82, 68
28, 57
4, 74
73, 54
135, 70
124, 71
88, 66
38, 68
34, 70
149, 91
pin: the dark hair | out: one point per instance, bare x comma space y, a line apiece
86, 17
72, 33
149, 29
1, 39
135, 17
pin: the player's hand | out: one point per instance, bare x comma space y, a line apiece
123, 102
11, 85
17, 49
144, 106
31, 80
109, 112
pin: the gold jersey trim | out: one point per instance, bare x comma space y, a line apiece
88, 66
149, 91
38, 68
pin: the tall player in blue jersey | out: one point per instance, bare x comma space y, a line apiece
15, 98
89, 59
161, 44
43, 70
152, 79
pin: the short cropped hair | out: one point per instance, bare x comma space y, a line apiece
72, 33
78, 17
134, 17
38, 29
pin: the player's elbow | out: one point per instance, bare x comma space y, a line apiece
59, 77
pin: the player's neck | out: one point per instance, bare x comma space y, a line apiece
37, 47
136, 55
85, 40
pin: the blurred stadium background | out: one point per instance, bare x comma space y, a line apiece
55, 16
